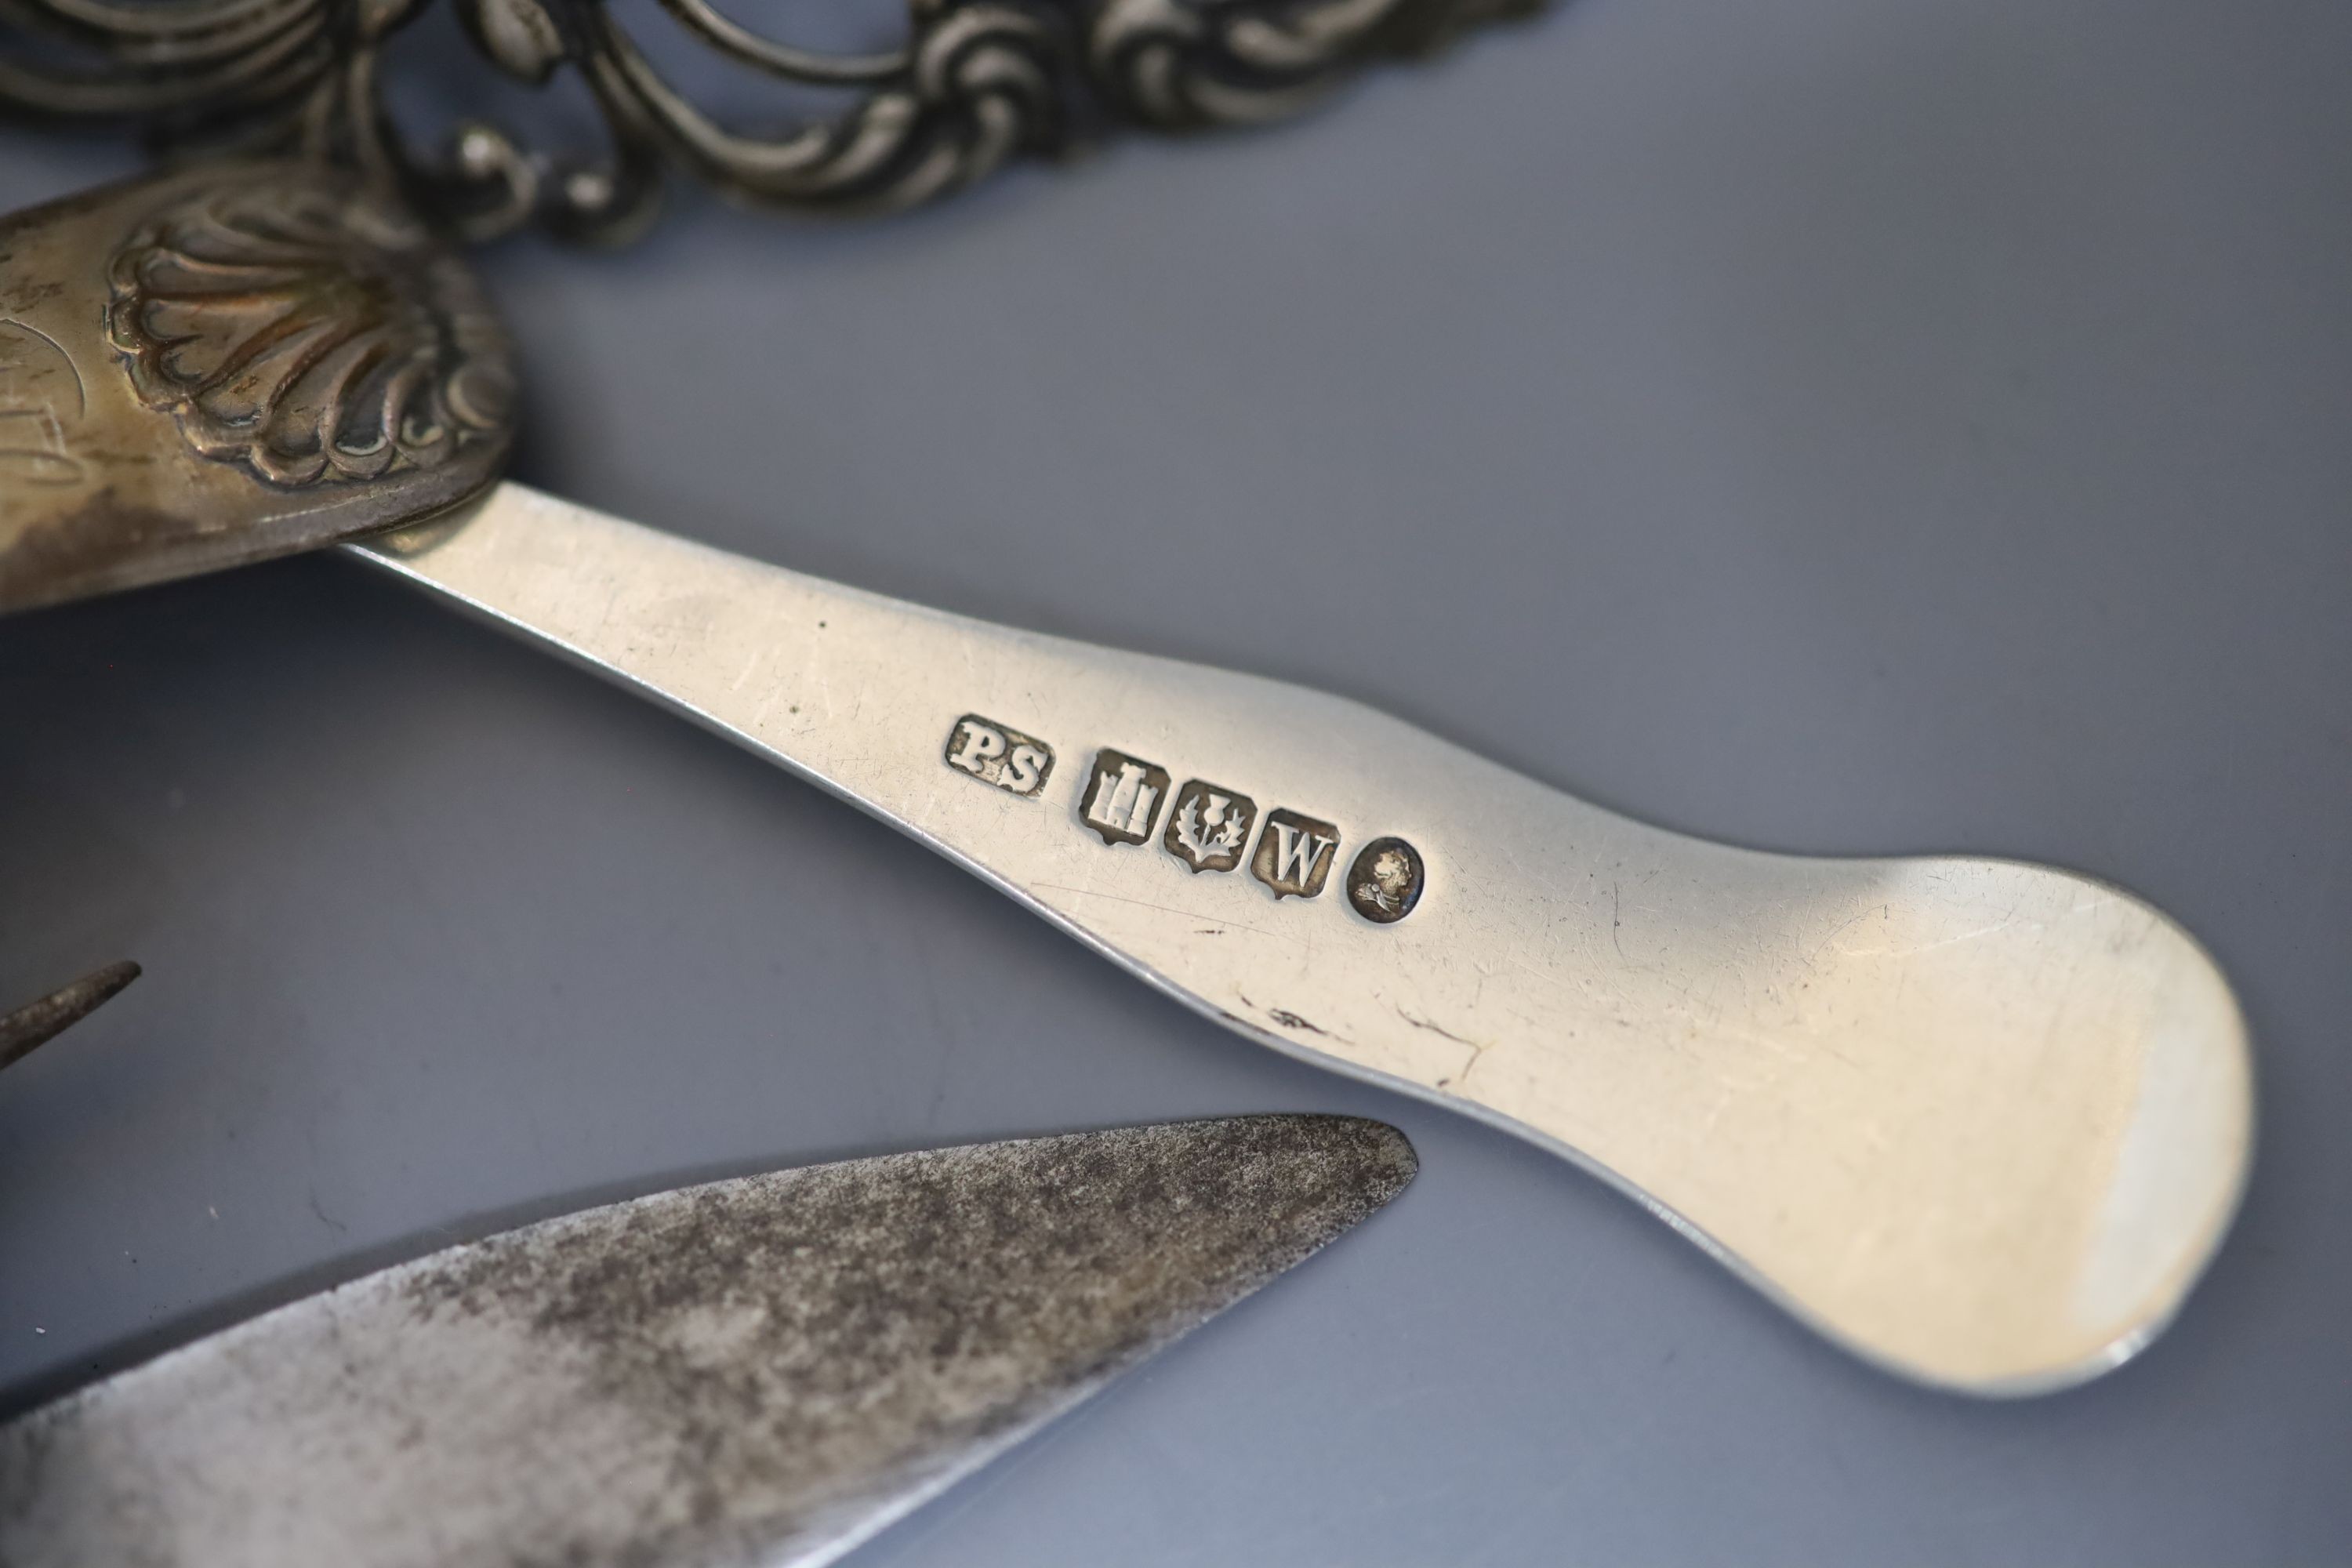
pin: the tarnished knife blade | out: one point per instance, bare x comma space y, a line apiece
27, 1028
757, 1372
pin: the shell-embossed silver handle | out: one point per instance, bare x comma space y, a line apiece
1982, 1122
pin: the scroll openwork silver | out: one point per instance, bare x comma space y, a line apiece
972, 85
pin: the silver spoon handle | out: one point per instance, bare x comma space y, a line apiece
1982, 1122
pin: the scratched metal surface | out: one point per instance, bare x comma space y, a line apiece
1832, 426
759, 1373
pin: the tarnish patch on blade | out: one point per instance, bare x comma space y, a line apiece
754, 1372
33, 1025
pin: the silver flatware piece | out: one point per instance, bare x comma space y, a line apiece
1982, 1122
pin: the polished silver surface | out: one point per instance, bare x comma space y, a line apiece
744, 1374
1980, 1121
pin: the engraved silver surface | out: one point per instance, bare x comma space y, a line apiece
1980, 1121
757, 1372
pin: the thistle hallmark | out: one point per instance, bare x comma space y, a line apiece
1210, 828
315, 333
1000, 754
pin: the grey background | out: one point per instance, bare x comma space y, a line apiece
1856, 426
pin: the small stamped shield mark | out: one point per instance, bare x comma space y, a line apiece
1294, 854
1123, 797
998, 754
1210, 828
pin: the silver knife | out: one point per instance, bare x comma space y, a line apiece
745, 1375
1981, 1122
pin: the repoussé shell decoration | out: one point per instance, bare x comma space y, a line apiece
315, 333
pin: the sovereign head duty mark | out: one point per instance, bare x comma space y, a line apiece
1207, 827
